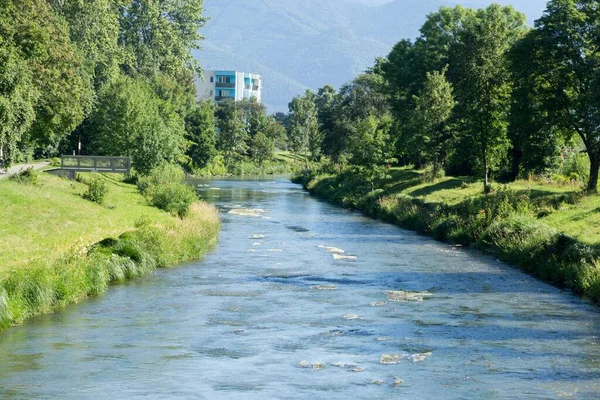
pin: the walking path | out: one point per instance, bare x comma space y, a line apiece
17, 168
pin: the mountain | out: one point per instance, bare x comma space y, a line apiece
299, 44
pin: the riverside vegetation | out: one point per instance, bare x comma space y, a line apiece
61, 245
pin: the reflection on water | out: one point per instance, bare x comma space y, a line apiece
272, 313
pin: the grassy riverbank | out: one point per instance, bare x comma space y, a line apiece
547, 230
283, 162
57, 248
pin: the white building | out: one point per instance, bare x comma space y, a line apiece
221, 85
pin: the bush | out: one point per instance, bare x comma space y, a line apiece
175, 198
97, 190
28, 176
164, 174
164, 190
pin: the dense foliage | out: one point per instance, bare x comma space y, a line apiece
478, 93
116, 75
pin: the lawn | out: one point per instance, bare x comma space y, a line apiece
580, 220
39, 223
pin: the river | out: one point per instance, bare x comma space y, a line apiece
278, 311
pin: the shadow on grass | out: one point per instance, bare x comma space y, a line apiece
453, 183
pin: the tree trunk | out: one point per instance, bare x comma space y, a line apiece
306, 159
485, 171
592, 186
517, 156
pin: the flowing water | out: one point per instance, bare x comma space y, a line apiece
279, 311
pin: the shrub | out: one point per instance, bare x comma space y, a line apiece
163, 174
27, 176
97, 190
164, 190
175, 198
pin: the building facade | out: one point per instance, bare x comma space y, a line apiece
234, 85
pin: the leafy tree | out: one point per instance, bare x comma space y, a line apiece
406, 67
357, 100
60, 94
568, 52
232, 135
277, 133
371, 149
303, 134
94, 29
201, 134
483, 83
254, 115
325, 102
17, 95
535, 139
431, 118
131, 120
261, 148
158, 36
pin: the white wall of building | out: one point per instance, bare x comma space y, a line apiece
205, 89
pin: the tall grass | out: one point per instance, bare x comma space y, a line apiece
89, 270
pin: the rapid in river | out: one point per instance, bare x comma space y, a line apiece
302, 299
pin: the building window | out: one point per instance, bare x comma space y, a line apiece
212, 79
211, 93
224, 79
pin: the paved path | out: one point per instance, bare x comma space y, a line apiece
16, 168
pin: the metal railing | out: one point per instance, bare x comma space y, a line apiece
225, 85
117, 165
219, 98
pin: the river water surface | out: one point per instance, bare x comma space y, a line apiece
278, 311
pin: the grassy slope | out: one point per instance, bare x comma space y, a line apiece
581, 220
57, 248
40, 223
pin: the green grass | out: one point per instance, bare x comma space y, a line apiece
44, 221
58, 248
549, 230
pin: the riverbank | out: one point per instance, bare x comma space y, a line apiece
549, 231
282, 162
57, 248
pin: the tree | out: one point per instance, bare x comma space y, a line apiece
371, 149
17, 92
535, 139
483, 83
365, 96
51, 80
406, 67
158, 36
261, 148
94, 29
325, 102
568, 54
232, 135
277, 133
200, 133
303, 134
131, 120
431, 117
